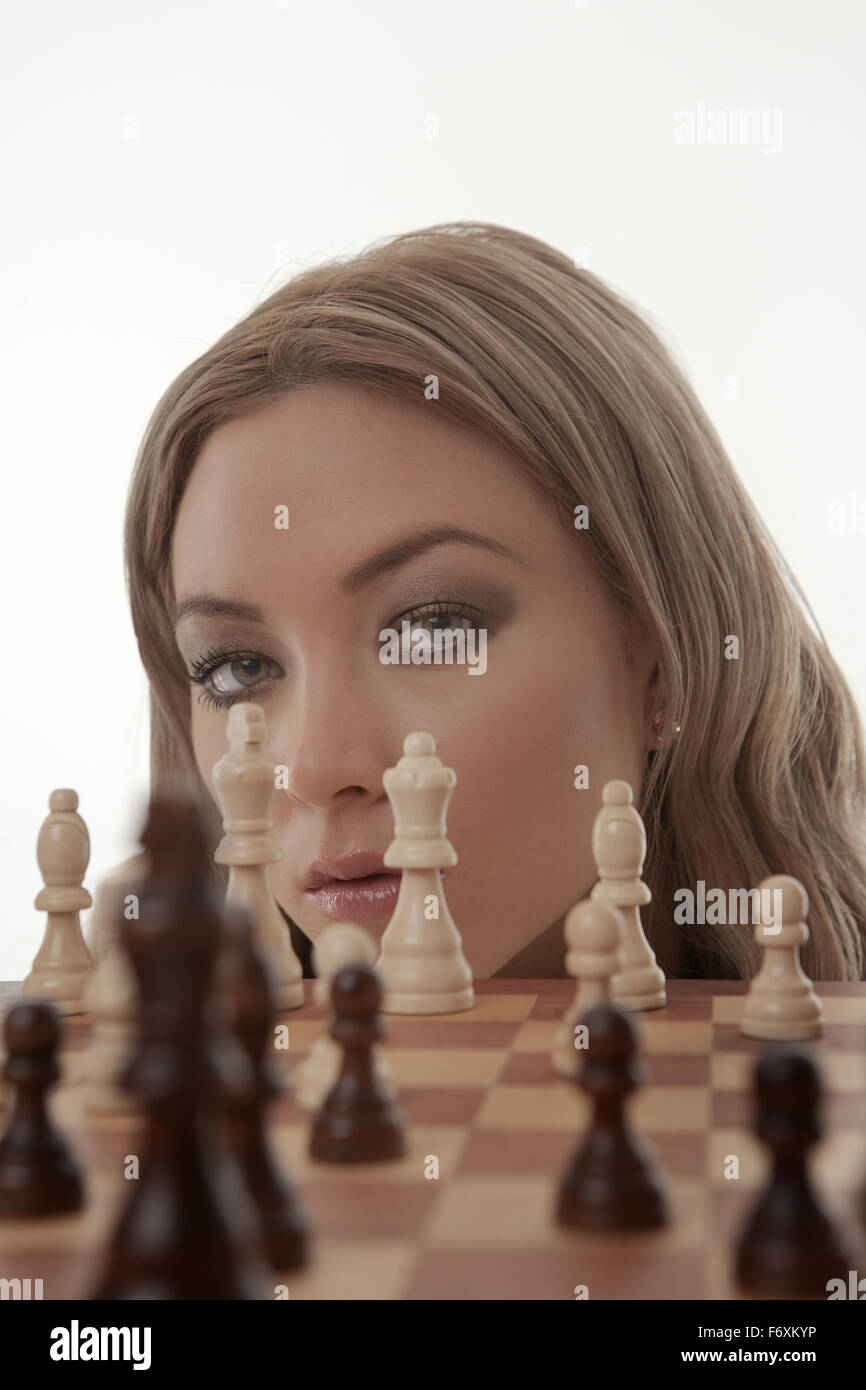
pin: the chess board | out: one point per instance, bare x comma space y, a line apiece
478, 1094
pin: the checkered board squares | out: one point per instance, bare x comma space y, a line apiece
478, 1095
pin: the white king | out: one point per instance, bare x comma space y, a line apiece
422, 964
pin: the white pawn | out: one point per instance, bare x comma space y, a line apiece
781, 1004
342, 944
619, 849
244, 780
593, 933
111, 996
62, 963
112, 900
422, 965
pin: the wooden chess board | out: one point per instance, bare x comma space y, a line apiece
477, 1092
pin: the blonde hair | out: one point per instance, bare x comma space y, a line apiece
767, 772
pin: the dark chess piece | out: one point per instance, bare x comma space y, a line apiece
610, 1183
38, 1176
244, 988
187, 1229
358, 1121
789, 1246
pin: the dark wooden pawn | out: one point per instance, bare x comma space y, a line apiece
611, 1182
358, 1122
244, 987
789, 1245
38, 1175
187, 1229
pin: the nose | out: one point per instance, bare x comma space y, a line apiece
336, 741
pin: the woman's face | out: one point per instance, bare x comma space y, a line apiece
396, 514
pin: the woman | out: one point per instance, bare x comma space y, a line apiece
460, 431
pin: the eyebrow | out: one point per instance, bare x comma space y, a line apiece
208, 606
403, 550
416, 544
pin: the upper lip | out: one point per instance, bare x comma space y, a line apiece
359, 864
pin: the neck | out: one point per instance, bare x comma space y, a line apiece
542, 959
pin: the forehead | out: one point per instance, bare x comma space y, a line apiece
354, 468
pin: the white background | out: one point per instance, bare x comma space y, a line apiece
165, 167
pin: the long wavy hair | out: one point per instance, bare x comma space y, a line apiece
766, 773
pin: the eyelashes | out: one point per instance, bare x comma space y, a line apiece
209, 670
227, 675
439, 609
209, 700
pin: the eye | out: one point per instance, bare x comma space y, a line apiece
225, 676
442, 614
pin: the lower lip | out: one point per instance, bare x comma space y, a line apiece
358, 899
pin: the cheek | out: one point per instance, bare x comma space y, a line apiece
518, 749
521, 829
208, 741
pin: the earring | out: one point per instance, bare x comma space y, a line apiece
658, 728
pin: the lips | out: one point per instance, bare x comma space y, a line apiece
352, 889
359, 864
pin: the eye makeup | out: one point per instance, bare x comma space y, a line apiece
234, 670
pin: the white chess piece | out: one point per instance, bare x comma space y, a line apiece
619, 849
342, 944
422, 965
781, 1004
244, 780
62, 963
112, 999
111, 995
110, 899
593, 932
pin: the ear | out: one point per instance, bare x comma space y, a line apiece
654, 715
